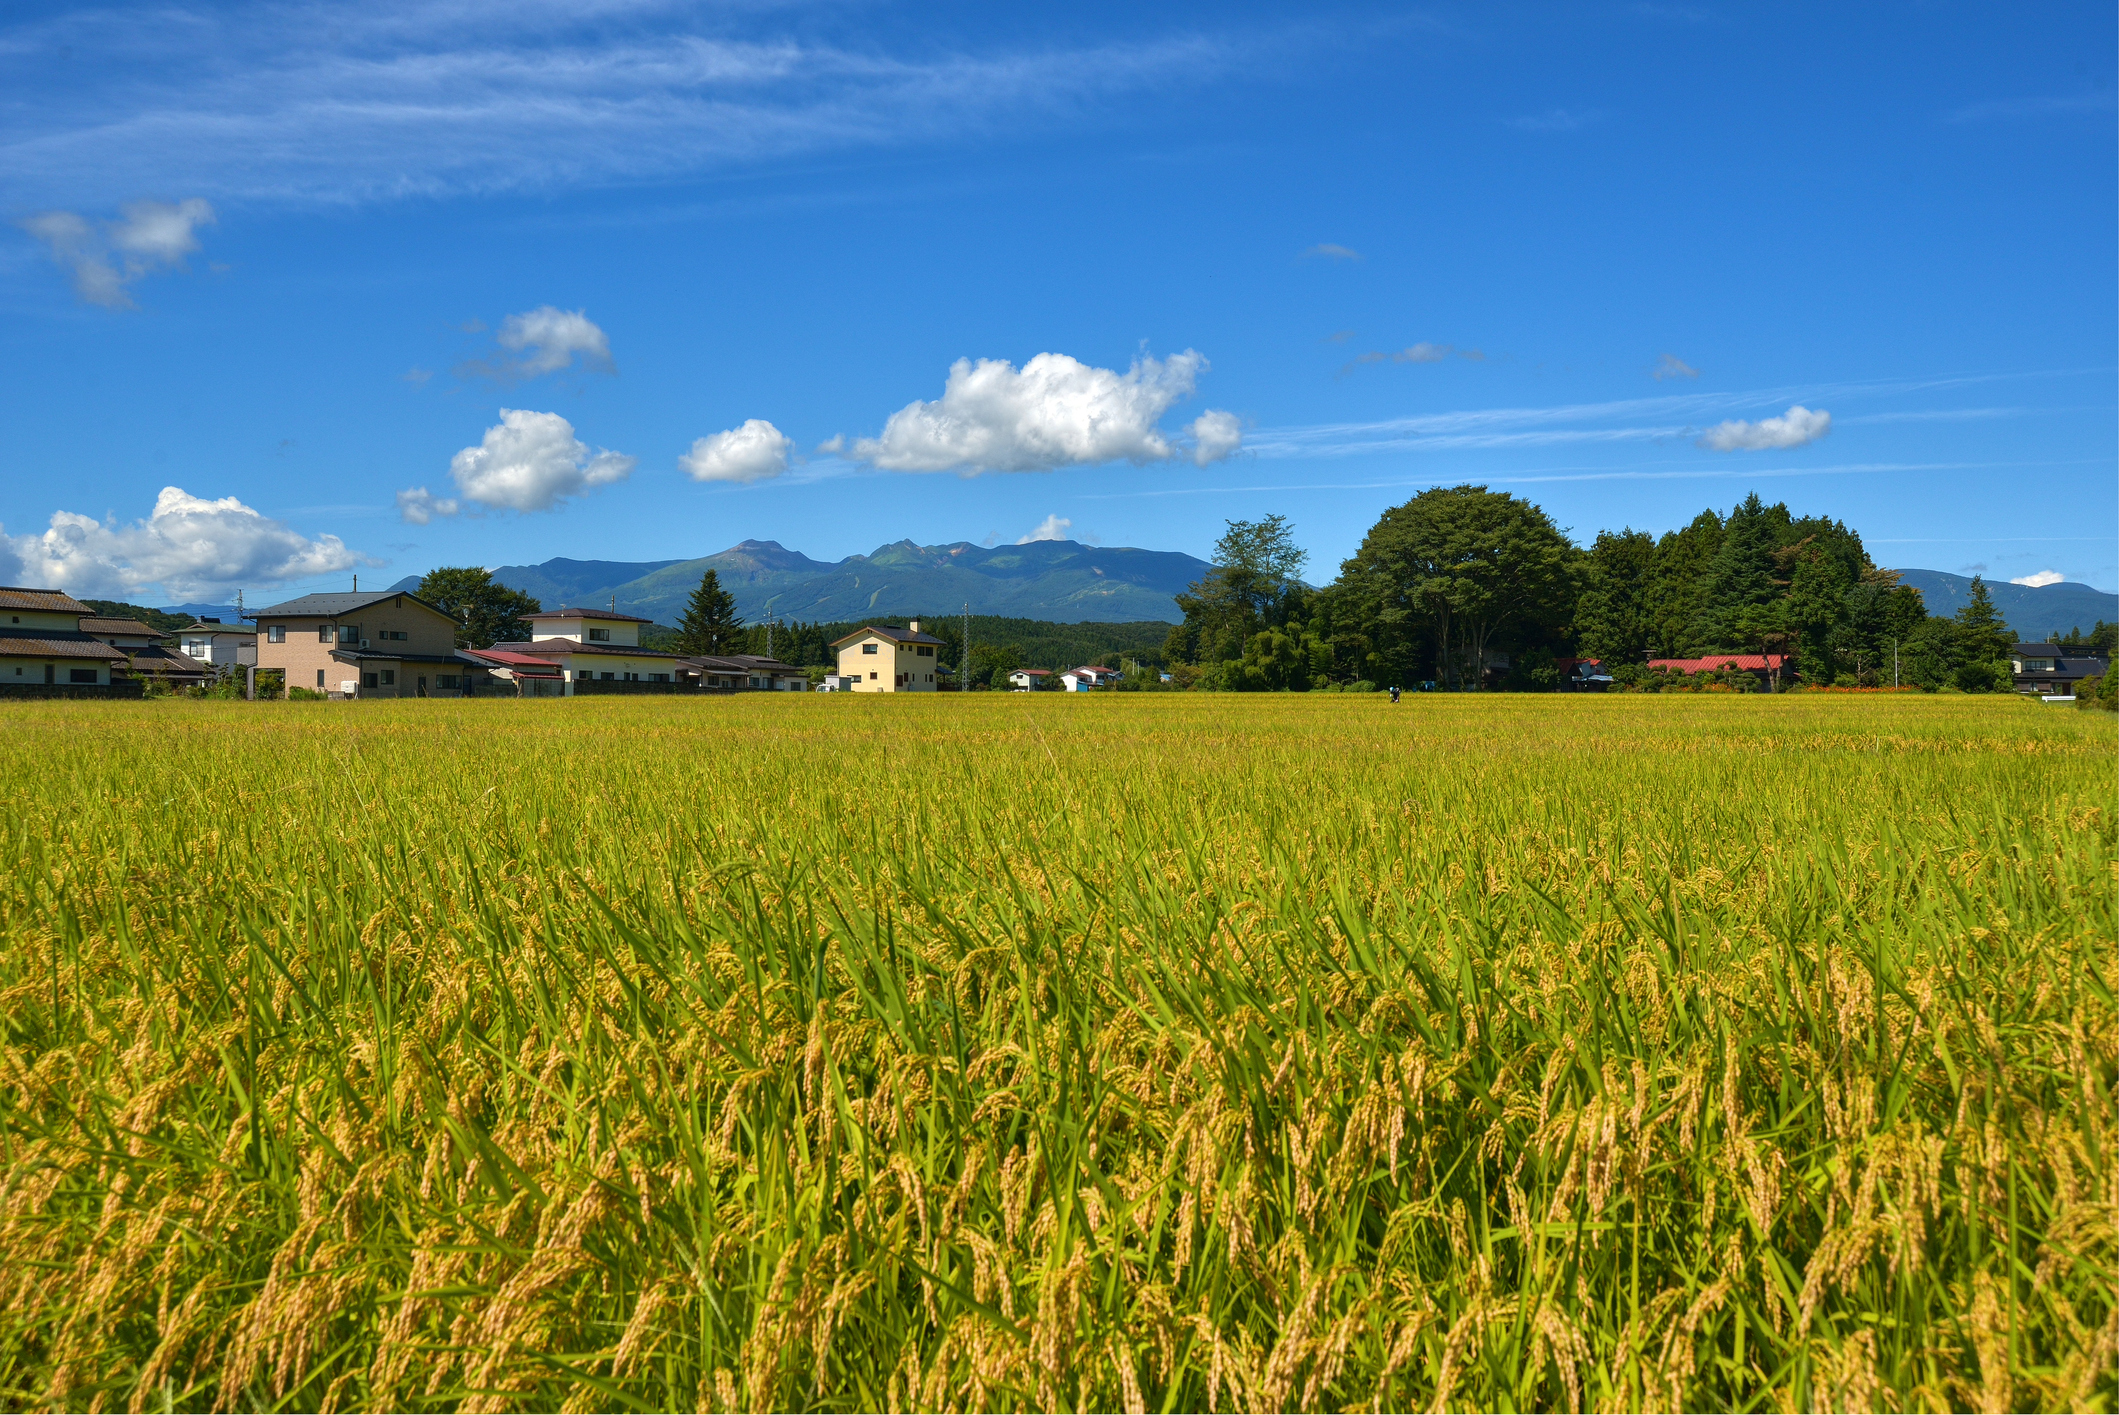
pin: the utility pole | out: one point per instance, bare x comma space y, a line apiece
1894, 663
963, 669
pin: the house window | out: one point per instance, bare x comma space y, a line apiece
389, 677
868, 648
277, 634
658, 678
599, 636
368, 680
926, 650
872, 677
323, 636
81, 675
448, 680
320, 678
349, 633
393, 633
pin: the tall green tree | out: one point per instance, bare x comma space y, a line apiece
1612, 619
1677, 584
710, 624
1465, 564
1255, 584
1983, 641
1741, 584
486, 612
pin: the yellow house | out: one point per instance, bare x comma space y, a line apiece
887, 660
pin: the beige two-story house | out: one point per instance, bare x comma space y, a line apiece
358, 645
887, 660
598, 651
42, 649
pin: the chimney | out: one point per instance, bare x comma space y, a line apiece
915, 626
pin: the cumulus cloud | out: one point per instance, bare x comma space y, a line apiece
1053, 527
528, 462
756, 451
1055, 412
541, 341
1793, 428
1327, 251
148, 236
1671, 366
418, 506
187, 545
2040, 580
1215, 436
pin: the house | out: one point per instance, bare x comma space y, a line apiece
1765, 667
836, 683
598, 651
1081, 680
2053, 668
386, 645
1583, 675
44, 653
887, 660
742, 673
209, 641
147, 654
1026, 680
529, 675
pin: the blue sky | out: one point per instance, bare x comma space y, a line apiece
717, 264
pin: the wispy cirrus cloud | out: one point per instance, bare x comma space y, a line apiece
1555, 120
332, 104
2033, 107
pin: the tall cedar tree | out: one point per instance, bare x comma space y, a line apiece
486, 613
1613, 618
1981, 635
710, 623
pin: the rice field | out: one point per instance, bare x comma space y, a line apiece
1147, 1053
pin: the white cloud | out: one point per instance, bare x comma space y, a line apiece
1215, 436
418, 506
2041, 579
148, 236
1328, 251
1056, 412
1555, 120
1793, 428
187, 545
532, 461
541, 341
756, 451
1671, 366
1053, 527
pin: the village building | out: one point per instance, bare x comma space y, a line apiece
357, 645
888, 660
598, 651
742, 673
219, 645
148, 656
1767, 668
2054, 668
1082, 680
1028, 680
44, 653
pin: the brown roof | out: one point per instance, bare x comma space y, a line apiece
897, 636
201, 626
157, 661
56, 646
93, 625
50, 601
739, 663
587, 614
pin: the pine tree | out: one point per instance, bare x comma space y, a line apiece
710, 624
1982, 637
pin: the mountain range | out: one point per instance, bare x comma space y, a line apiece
1059, 580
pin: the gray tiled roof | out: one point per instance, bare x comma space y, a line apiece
330, 606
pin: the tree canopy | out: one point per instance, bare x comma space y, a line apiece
486, 612
710, 624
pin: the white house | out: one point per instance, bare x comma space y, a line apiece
1081, 680
601, 648
209, 641
1026, 680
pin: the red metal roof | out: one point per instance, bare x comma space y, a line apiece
525, 665
1709, 663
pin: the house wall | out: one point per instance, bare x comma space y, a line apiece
617, 665
304, 655
623, 635
28, 672
40, 619
888, 661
